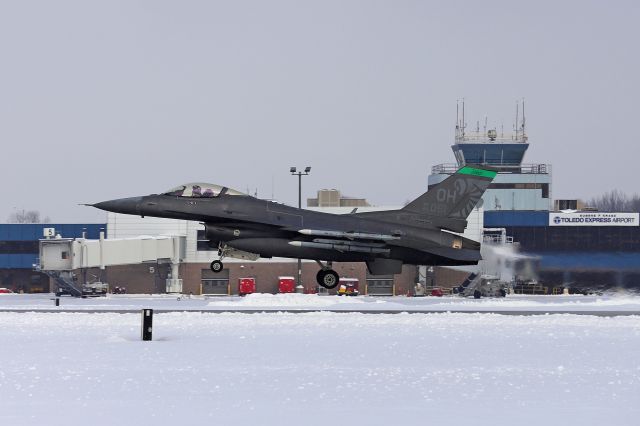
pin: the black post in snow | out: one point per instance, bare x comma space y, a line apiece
147, 324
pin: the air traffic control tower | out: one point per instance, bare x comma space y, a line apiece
517, 186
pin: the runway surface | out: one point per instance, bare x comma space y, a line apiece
603, 306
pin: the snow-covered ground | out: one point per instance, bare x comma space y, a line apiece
619, 302
318, 369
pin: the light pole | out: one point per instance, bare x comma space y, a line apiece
294, 172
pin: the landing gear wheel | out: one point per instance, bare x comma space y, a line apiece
216, 266
477, 294
328, 278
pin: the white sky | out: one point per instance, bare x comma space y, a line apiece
102, 100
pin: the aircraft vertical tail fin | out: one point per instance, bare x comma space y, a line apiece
455, 197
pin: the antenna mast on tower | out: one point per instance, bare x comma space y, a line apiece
457, 118
517, 112
523, 119
463, 122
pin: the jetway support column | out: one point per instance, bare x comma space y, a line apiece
174, 284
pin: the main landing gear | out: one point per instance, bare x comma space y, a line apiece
327, 277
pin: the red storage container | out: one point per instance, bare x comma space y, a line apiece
246, 286
286, 284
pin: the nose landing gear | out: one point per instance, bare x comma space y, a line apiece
216, 266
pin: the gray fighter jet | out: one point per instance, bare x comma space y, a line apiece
245, 227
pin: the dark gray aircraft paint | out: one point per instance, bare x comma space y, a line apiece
245, 227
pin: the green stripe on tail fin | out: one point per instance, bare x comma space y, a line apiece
468, 170
449, 203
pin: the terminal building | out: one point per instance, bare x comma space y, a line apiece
19, 251
333, 198
575, 245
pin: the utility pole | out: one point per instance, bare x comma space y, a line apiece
295, 172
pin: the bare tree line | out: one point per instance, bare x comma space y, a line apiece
616, 201
27, 216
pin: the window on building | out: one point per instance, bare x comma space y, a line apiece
203, 244
542, 186
19, 247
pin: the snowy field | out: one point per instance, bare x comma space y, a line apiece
318, 369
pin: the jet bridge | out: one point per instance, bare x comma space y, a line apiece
60, 256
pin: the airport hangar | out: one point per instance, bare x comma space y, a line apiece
16, 270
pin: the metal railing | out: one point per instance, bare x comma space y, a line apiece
64, 282
540, 169
480, 137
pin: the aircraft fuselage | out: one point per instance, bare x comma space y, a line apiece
247, 227
273, 230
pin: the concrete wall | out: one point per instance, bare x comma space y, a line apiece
145, 278
142, 279
448, 278
24, 280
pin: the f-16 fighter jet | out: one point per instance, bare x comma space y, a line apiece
242, 226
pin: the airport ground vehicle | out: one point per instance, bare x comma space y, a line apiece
478, 286
95, 289
348, 288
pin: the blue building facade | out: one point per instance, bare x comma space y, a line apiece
595, 257
19, 251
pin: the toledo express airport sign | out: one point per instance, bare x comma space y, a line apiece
594, 219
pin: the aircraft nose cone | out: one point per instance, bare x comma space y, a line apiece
121, 205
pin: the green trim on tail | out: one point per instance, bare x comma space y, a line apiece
466, 170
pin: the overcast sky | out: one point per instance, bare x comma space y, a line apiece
102, 100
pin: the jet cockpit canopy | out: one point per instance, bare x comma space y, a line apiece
201, 190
